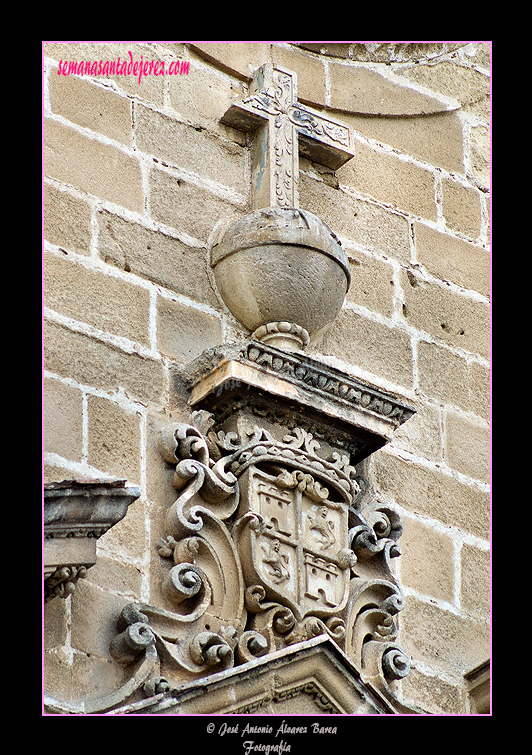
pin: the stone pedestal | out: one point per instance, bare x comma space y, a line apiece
76, 513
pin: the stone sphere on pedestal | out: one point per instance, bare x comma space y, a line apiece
282, 273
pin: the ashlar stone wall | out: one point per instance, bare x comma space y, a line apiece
137, 173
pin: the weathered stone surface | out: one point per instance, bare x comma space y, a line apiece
94, 107
67, 220
62, 419
444, 639
468, 446
183, 333
374, 347
402, 185
427, 563
155, 256
186, 206
97, 363
109, 450
137, 175
359, 90
277, 265
94, 167
90, 295
457, 320
183, 145
433, 493
452, 259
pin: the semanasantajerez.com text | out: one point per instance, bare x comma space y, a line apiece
118, 67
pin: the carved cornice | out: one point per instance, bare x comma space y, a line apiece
294, 390
333, 383
77, 513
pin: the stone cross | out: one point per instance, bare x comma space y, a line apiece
282, 128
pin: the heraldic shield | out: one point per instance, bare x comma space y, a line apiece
293, 533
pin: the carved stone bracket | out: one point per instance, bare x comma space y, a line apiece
274, 537
76, 514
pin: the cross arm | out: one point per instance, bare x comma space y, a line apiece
321, 139
243, 117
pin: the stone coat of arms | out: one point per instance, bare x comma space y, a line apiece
293, 530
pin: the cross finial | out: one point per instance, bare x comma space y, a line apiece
282, 128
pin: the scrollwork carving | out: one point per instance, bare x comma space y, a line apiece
135, 637
291, 527
210, 649
62, 582
183, 582
378, 527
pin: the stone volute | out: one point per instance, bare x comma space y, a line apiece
281, 272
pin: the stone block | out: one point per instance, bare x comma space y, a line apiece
156, 257
185, 206
432, 493
92, 677
443, 639
55, 624
443, 376
466, 84
62, 419
480, 155
435, 139
467, 447
183, 333
66, 220
370, 345
114, 439
103, 301
480, 390
362, 222
475, 584
432, 694
422, 431
461, 208
98, 364
116, 576
186, 146
311, 85
402, 185
57, 670
361, 90
203, 96
94, 107
452, 259
427, 561
372, 284
447, 316
128, 541
240, 58
98, 169
92, 631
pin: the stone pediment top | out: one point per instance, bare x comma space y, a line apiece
296, 377
316, 670
354, 88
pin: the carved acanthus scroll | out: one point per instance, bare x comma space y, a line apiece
268, 549
274, 537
